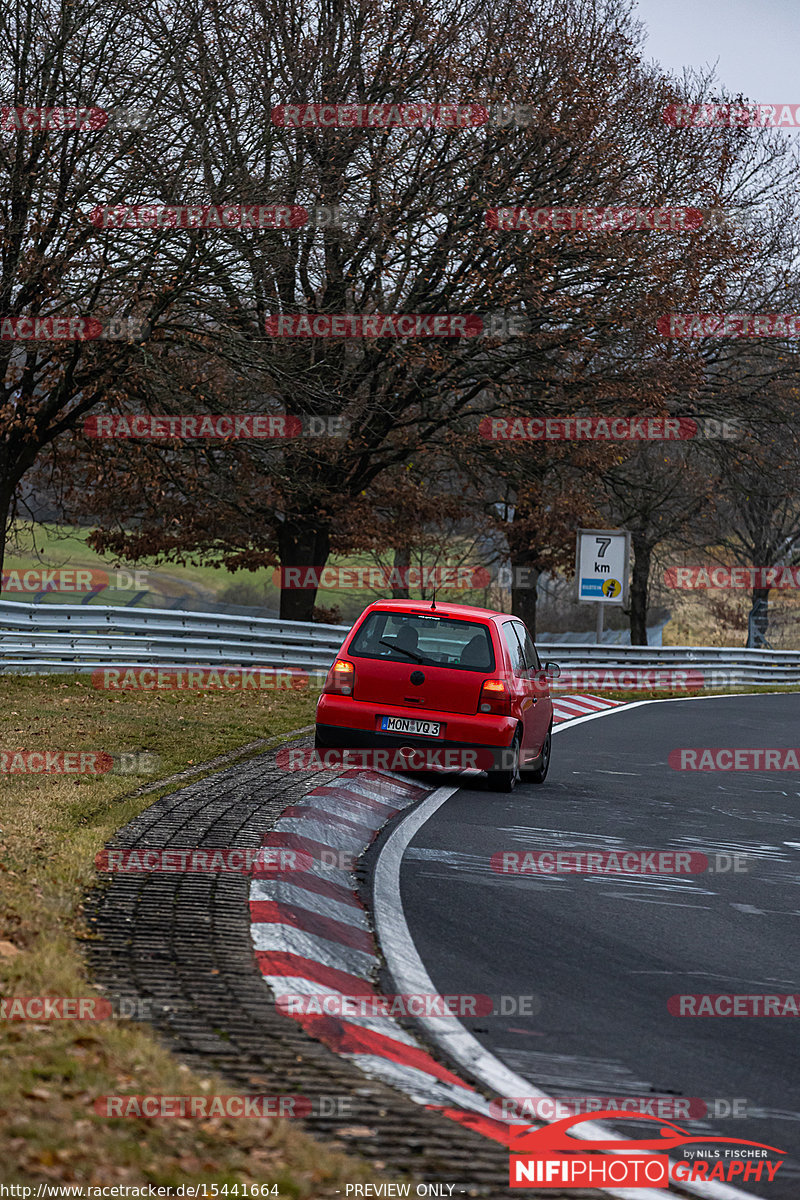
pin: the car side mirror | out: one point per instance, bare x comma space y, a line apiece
552, 669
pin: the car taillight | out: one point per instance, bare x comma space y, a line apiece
494, 698
341, 678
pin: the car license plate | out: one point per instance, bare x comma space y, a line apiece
410, 725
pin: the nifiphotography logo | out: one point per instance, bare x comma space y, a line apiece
550, 1158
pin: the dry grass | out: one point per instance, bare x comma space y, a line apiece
51, 827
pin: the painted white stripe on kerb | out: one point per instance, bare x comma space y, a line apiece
314, 866
383, 792
340, 806
278, 892
566, 705
285, 939
409, 975
317, 829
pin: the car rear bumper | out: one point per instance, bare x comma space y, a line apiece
399, 752
469, 742
355, 721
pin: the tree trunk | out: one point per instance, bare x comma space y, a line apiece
523, 597
402, 561
758, 622
7, 489
640, 578
301, 543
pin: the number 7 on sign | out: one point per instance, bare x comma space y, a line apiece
603, 543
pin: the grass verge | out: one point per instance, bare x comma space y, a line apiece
51, 827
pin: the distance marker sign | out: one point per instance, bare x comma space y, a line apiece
601, 565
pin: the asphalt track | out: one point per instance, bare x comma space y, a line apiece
602, 954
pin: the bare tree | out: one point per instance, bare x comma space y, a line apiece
54, 261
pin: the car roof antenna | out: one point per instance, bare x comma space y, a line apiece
433, 601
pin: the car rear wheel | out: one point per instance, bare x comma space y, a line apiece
539, 774
507, 779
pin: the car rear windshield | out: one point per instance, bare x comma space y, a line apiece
426, 639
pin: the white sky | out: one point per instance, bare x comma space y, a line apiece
755, 43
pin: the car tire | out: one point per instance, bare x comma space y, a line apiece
539, 774
318, 743
506, 780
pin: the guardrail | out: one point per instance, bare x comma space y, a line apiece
37, 638
66, 637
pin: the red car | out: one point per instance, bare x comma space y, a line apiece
413, 674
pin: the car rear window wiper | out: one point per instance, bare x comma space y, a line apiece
411, 653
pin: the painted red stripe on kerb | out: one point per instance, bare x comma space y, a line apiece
267, 912
325, 818
345, 1038
488, 1127
280, 962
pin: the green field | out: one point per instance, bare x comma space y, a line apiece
49, 546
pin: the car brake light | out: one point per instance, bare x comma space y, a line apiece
494, 698
341, 678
